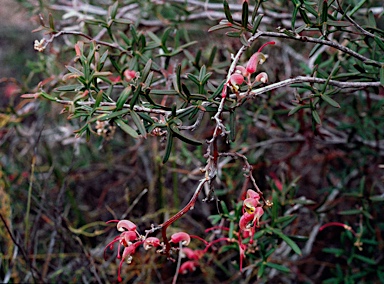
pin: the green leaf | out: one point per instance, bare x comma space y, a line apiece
244, 15
316, 117
278, 267
212, 56
371, 19
365, 259
356, 8
336, 251
338, 23
382, 76
297, 108
283, 219
112, 10
99, 98
219, 27
232, 126
294, 16
286, 239
70, 88
193, 78
260, 271
47, 96
111, 115
330, 101
324, 12
377, 198
123, 21
379, 42
234, 34
227, 12
51, 22
168, 148
123, 97
304, 15
224, 207
126, 128
146, 70
256, 23
137, 120
178, 134
74, 70
243, 40
350, 212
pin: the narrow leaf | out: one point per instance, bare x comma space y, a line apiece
278, 267
126, 128
382, 76
244, 15
316, 117
185, 139
288, 240
227, 12
330, 101
137, 120
168, 148
123, 97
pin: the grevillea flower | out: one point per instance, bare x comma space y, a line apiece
129, 238
253, 194
189, 265
193, 254
236, 79
262, 77
129, 75
256, 59
151, 242
182, 237
125, 225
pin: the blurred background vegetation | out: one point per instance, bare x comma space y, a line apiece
57, 190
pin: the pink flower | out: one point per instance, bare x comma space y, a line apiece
189, 265
193, 254
129, 239
253, 194
256, 59
262, 77
182, 237
127, 256
236, 79
242, 70
125, 225
151, 242
245, 220
129, 75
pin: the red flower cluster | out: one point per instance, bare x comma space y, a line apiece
130, 239
241, 73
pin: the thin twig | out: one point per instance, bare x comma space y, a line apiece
303, 79
322, 42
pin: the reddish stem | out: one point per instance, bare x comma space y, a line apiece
178, 215
217, 227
